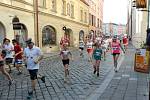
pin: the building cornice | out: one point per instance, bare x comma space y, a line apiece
85, 2
40, 12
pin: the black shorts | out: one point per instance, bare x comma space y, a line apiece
33, 74
9, 60
114, 54
81, 48
2, 63
65, 62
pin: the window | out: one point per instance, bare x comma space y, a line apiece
81, 15
90, 19
42, 3
85, 17
63, 7
48, 35
98, 23
72, 10
68, 9
53, 5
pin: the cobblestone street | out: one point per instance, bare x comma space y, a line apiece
81, 83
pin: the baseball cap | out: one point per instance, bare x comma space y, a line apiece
29, 41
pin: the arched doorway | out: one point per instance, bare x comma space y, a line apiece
48, 35
20, 31
91, 34
69, 34
81, 35
2, 32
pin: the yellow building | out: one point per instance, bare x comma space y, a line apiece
17, 20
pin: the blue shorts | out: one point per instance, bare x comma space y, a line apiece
18, 61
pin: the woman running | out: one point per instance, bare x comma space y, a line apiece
65, 59
81, 48
115, 47
97, 53
89, 45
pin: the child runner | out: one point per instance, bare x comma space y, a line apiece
18, 55
81, 47
97, 53
65, 59
115, 47
89, 45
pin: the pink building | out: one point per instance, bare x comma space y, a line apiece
95, 17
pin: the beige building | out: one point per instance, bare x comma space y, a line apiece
137, 23
17, 21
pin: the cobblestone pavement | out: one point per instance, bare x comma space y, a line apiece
127, 84
81, 83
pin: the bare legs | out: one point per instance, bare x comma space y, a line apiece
115, 58
96, 67
2, 69
66, 71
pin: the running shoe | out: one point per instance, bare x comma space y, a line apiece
11, 82
43, 79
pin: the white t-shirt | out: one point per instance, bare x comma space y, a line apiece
81, 44
31, 55
9, 52
89, 44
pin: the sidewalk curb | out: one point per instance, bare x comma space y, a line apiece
98, 92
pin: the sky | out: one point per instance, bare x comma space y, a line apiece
115, 11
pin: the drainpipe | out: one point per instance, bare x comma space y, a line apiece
36, 23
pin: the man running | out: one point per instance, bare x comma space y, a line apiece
18, 55
33, 55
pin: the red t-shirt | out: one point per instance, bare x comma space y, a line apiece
17, 49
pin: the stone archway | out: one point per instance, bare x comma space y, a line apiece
69, 34
81, 35
20, 31
2, 32
48, 35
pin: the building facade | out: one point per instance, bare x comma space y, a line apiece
137, 22
53, 15
111, 29
95, 17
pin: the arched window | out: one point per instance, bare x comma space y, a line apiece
81, 35
2, 32
64, 7
53, 5
68, 9
48, 35
72, 10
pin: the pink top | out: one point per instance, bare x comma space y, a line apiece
115, 47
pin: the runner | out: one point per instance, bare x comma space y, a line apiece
9, 52
2, 67
105, 47
32, 56
81, 48
97, 53
115, 47
89, 45
125, 41
65, 59
18, 55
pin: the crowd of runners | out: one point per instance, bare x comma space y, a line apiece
31, 55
